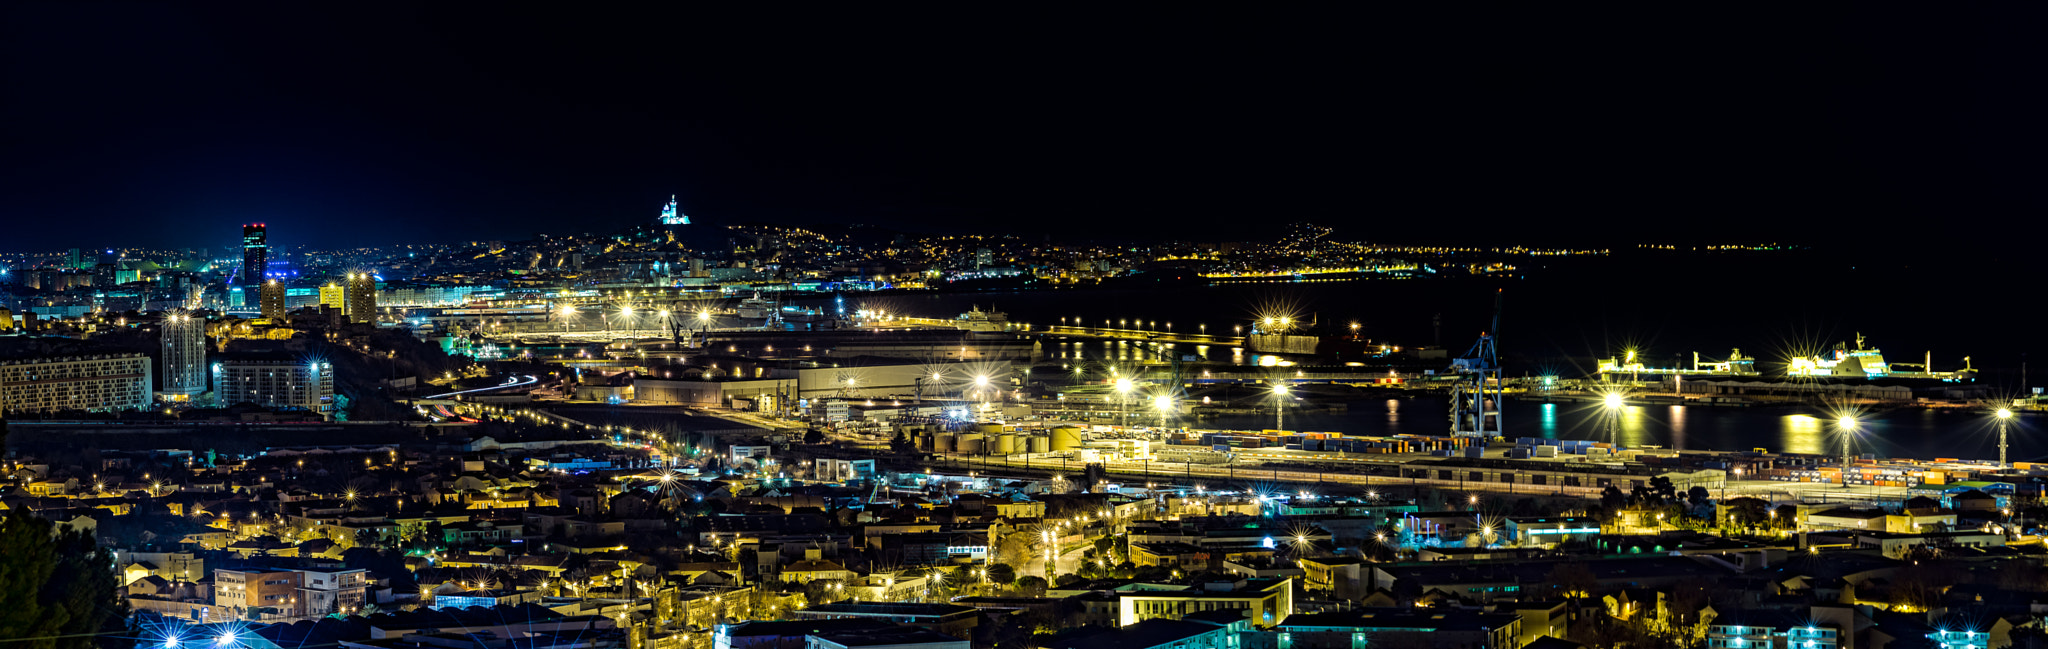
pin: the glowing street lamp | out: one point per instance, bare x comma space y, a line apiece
1613, 402
1123, 391
2003, 416
1847, 424
1280, 408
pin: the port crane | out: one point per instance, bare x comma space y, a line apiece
1476, 396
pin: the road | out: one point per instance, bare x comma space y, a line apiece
1065, 564
510, 382
1166, 472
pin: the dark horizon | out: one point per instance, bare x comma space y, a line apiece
169, 127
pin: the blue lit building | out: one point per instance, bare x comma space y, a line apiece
1820, 627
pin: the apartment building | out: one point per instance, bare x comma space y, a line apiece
98, 383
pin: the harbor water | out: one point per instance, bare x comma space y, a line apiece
1905, 433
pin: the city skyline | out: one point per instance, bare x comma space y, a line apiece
1020, 327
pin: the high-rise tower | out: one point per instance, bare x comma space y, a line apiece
272, 301
335, 295
255, 254
184, 347
361, 292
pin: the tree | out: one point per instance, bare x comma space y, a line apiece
819, 591
814, 436
1572, 580
1662, 487
1748, 512
57, 589
901, 445
1091, 476
1612, 499
1031, 586
1787, 517
1697, 496
1001, 574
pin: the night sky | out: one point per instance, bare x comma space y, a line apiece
152, 125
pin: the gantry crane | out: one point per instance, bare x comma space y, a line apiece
1476, 396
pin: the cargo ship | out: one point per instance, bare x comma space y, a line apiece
1865, 362
772, 312
976, 319
1735, 365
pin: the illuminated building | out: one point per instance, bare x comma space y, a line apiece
272, 302
672, 217
276, 383
331, 591
255, 253
1269, 601
184, 357
248, 592
1817, 628
334, 295
91, 383
361, 293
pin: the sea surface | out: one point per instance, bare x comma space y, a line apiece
1558, 315
1904, 433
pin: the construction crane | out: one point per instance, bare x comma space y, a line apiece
1476, 396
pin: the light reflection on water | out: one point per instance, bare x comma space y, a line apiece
1677, 424
1801, 434
1921, 434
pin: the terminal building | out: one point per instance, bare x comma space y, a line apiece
1542, 476
918, 344
763, 383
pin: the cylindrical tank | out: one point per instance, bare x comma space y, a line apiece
1006, 444
1041, 444
942, 443
988, 429
1066, 438
970, 443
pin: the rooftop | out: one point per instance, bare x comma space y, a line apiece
1402, 618
1149, 633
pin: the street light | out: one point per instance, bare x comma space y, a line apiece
2003, 415
1613, 402
1847, 425
1280, 409
1123, 390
